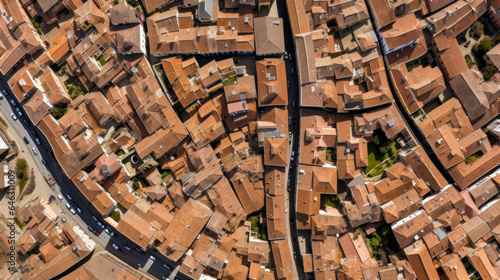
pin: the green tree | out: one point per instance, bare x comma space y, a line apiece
57, 111
135, 184
489, 72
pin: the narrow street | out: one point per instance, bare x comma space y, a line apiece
294, 113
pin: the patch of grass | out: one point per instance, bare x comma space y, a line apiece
116, 2
380, 149
331, 200
374, 157
229, 80
120, 153
165, 175
74, 87
331, 155
19, 224
115, 215
417, 114
22, 173
101, 60
4, 123
474, 157
469, 61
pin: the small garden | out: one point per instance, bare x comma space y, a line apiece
229, 80
259, 230
161, 72
330, 200
74, 87
101, 60
331, 155
115, 215
380, 243
474, 157
382, 153
480, 49
22, 173
135, 184
59, 111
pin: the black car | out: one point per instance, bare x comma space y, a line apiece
26, 140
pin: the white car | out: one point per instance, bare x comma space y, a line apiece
68, 206
111, 234
1, 96
13, 116
35, 151
153, 258
72, 211
60, 196
116, 247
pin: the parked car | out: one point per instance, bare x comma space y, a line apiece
13, 116
44, 162
95, 233
13, 102
19, 112
166, 266
165, 278
60, 196
5, 93
72, 211
26, 122
26, 140
90, 228
94, 218
35, 151
288, 84
109, 232
139, 250
116, 247
63, 220
100, 224
68, 206
292, 70
78, 210
153, 258
126, 247
37, 141
1, 96
69, 197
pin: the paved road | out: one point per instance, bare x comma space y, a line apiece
294, 113
19, 129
